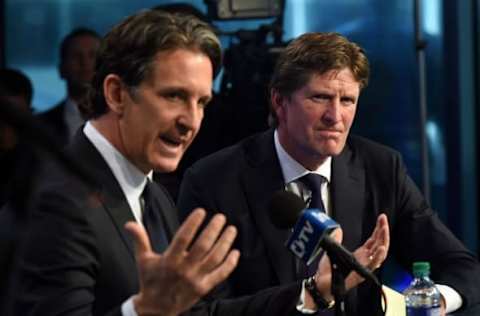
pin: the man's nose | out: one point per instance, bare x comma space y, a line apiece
332, 113
191, 118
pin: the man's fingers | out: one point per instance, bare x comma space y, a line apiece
370, 243
378, 249
185, 233
220, 249
140, 238
384, 230
337, 235
380, 235
378, 257
223, 271
207, 238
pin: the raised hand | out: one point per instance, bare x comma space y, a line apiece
374, 251
172, 282
371, 254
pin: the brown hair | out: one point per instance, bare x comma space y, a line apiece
129, 49
317, 53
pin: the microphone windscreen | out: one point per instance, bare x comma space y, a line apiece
285, 208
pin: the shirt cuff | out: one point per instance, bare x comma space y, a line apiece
128, 309
301, 302
453, 300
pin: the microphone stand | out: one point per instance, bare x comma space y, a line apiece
342, 265
339, 274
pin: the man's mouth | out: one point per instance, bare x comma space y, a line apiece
329, 133
172, 141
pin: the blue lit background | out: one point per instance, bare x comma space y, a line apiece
388, 111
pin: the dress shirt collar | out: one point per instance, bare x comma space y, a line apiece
131, 179
292, 169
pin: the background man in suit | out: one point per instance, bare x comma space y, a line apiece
153, 79
77, 65
314, 94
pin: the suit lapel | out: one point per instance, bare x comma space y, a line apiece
110, 192
119, 212
348, 196
260, 180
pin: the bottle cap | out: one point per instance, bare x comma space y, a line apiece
421, 269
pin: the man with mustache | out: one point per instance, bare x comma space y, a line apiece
315, 90
114, 246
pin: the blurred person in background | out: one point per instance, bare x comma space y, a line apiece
16, 89
77, 65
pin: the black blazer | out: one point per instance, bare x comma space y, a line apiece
79, 260
367, 179
55, 121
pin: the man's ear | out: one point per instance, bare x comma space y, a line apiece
114, 92
277, 102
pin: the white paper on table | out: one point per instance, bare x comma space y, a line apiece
395, 302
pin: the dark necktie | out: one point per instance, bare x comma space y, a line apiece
152, 220
313, 181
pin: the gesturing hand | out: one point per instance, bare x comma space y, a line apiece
171, 282
371, 255
374, 251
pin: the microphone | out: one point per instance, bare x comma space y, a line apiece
311, 233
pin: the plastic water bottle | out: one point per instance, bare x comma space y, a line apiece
422, 297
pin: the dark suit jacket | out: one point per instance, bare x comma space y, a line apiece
367, 179
55, 121
79, 260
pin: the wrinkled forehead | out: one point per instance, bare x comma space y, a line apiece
336, 79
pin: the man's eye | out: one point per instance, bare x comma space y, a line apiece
348, 101
172, 96
202, 103
321, 97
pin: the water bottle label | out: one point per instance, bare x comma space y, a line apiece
423, 311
